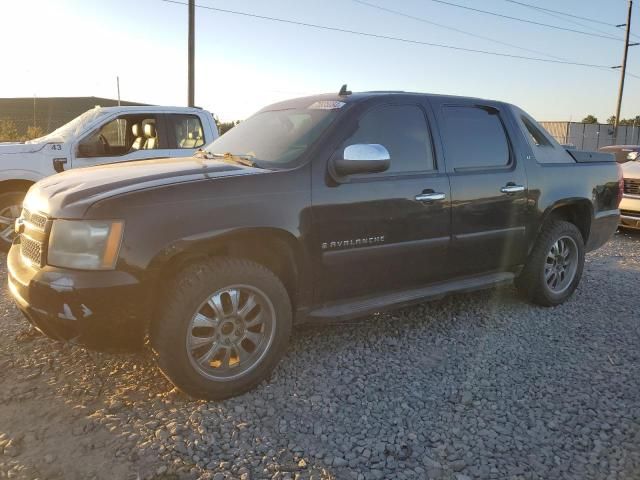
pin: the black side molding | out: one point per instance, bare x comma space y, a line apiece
376, 303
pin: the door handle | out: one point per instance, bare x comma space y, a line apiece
510, 188
430, 197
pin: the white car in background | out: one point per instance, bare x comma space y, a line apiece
100, 135
630, 204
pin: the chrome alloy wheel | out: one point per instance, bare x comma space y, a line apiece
231, 332
561, 264
8, 216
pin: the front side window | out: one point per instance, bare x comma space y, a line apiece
474, 137
275, 138
122, 135
403, 131
115, 132
187, 131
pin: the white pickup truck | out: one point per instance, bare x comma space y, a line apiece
100, 135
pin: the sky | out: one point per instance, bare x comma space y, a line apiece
79, 47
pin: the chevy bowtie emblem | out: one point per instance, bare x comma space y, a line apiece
355, 242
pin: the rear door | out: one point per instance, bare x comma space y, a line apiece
384, 231
488, 188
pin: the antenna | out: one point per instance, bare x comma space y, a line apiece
343, 91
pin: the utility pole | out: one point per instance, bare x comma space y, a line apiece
623, 71
191, 47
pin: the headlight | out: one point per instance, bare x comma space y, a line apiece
85, 244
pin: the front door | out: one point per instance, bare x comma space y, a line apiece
385, 231
488, 189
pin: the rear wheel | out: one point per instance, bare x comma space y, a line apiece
10, 208
554, 268
223, 328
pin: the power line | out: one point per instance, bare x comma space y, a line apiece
562, 13
464, 32
396, 12
524, 20
556, 14
388, 37
397, 39
564, 19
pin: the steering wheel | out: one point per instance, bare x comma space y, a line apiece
105, 143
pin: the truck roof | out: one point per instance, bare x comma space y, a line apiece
361, 96
150, 108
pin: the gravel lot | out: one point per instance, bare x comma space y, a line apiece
473, 386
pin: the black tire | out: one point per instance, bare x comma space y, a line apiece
187, 296
532, 282
7, 201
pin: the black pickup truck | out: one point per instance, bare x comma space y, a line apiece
326, 207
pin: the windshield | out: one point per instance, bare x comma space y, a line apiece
71, 129
274, 138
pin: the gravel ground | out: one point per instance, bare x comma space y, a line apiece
474, 386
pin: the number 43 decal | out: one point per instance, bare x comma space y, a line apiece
56, 147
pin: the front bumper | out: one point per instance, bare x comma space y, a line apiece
102, 309
630, 211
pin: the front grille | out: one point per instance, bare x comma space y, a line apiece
37, 220
632, 186
31, 250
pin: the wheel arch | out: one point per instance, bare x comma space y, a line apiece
19, 184
274, 248
578, 211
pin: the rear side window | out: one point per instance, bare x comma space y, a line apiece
535, 134
474, 137
544, 147
187, 131
403, 131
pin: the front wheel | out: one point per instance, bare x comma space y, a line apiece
223, 328
554, 268
10, 208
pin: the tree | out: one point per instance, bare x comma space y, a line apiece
589, 119
33, 132
631, 121
611, 120
224, 127
8, 130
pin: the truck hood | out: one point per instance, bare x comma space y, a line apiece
631, 169
11, 148
71, 193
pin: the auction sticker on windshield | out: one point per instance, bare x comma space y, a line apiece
327, 105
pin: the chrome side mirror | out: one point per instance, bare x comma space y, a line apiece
362, 158
632, 156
